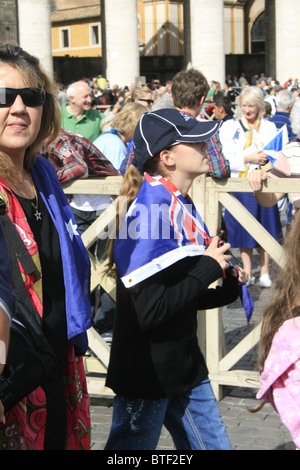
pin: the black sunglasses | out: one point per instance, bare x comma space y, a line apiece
30, 96
148, 101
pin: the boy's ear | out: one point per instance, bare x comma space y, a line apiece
167, 157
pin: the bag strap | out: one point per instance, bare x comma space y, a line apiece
25, 312
17, 249
243, 126
13, 238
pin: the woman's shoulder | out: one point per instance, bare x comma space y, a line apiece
268, 125
43, 163
44, 171
229, 128
231, 123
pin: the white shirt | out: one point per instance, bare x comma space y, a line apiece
233, 141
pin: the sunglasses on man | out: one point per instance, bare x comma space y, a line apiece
30, 96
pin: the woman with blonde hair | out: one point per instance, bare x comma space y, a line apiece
143, 95
54, 416
113, 143
243, 141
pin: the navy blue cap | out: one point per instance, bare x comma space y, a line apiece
160, 129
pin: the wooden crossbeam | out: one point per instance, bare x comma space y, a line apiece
209, 196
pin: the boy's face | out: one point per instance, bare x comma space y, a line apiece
218, 112
191, 159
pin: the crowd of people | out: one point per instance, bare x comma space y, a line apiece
160, 138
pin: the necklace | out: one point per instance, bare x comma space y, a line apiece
35, 204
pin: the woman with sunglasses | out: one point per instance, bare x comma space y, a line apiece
56, 415
143, 95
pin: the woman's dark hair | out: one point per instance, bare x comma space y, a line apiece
34, 75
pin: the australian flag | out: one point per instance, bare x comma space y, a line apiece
160, 228
276, 145
75, 260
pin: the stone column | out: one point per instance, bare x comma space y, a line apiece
187, 57
121, 40
35, 30
207, 38
283, 39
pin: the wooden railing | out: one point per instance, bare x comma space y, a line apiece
209, 196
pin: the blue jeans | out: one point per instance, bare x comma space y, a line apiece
192, 418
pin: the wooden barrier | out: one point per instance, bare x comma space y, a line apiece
209, 196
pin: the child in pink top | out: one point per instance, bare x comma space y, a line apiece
279, 348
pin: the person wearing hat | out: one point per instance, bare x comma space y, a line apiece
164, 262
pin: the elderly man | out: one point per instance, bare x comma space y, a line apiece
77, 114
284, 104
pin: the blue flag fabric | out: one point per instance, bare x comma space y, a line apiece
247, 301
275, 146
245, 298
75, 260
160, 228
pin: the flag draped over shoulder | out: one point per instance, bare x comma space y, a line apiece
160, 228
275, 145
75, 260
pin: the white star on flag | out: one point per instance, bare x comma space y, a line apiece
72, 229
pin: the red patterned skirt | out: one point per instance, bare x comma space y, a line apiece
25, 423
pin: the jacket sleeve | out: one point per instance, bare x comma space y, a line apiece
220, 295
168, 294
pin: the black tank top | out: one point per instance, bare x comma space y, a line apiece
54, 313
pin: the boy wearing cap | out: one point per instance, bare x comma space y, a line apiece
165, 262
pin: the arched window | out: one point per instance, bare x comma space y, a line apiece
258, 37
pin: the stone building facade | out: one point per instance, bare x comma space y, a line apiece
128, 38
